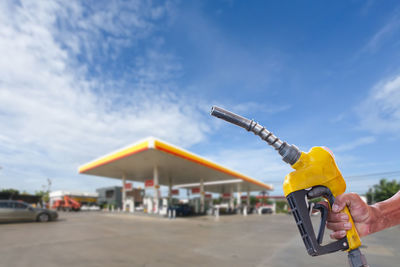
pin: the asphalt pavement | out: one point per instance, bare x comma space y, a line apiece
117, 240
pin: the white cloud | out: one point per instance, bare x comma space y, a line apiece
391, 26
55, 116
380, 111
355, 143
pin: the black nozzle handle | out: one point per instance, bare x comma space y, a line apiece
290, 153
300, 209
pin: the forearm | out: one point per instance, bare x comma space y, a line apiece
386, 213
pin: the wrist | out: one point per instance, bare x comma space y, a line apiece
386, 213
376, 221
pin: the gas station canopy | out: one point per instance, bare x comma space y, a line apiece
174, 165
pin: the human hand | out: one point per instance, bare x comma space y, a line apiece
364, 216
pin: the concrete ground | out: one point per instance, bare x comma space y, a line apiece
100, 239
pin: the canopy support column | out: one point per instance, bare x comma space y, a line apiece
169, 191
156, 190
132, 205
239, 197
202, 206
123, 191
231, 200
248, 198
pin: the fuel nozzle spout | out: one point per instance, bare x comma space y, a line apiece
290, 153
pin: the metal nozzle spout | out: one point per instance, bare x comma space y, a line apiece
289, 153
231, 117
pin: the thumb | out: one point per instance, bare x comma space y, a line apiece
340, 203
344, 200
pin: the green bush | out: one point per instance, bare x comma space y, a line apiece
382, 191
281, 206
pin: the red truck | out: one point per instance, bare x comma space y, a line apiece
68, 204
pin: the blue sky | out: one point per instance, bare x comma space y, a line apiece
81, 79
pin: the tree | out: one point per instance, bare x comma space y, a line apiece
11, 191
217, 201
264, 195
43, 194
253, 200
281, 206
382, 191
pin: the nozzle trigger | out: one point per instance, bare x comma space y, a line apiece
300, 208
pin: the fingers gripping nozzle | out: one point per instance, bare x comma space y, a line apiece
290, 153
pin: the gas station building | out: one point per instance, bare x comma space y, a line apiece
157, 163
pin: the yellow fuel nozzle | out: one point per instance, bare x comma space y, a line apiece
290, 153
315, 175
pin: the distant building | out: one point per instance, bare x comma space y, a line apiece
113, 196
137, 194
110, 195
